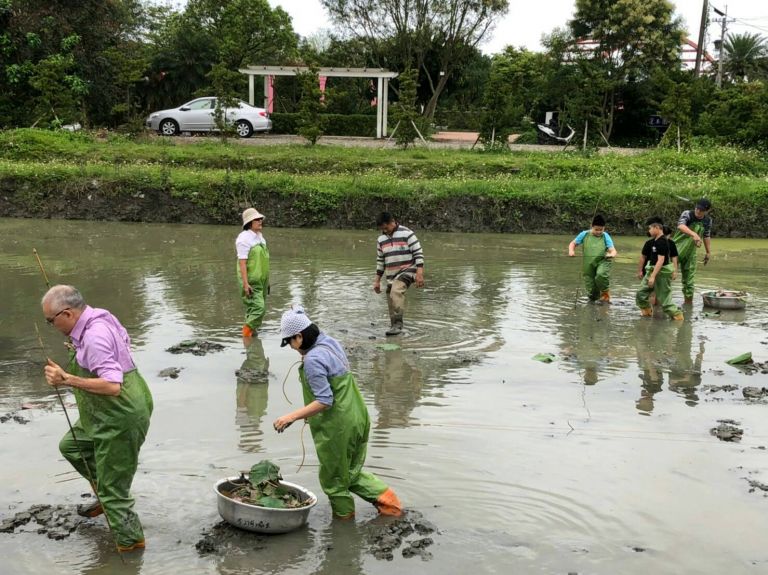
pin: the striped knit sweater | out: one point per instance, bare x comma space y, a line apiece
398, 254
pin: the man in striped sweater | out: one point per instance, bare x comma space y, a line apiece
399, 256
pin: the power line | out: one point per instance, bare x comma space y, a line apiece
743, 23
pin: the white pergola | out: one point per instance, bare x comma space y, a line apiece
382, 90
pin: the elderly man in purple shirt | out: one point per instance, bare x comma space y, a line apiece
114, 404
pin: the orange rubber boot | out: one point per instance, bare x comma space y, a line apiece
247, 331
605, 296
133, 547
646, 312
678, 316
389, 504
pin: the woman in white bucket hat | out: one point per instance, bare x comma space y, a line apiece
252, 270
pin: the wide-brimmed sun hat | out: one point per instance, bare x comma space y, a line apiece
293, 322
251, 214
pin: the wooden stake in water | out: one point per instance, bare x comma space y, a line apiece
42, 269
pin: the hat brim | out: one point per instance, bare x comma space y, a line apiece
286, 341
252, 220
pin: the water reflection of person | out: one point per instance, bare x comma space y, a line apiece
247, 552
397, 387
655, 343
591, 341
685, 372
252, 390
106, 561
343, 544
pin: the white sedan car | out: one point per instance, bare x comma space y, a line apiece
197, 116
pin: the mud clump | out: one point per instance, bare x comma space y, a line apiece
223, 537
755, 393
195, 347
717, 388
55, 521
727, 430
384, 540
172, 372
247, 375
758, 485
14, 417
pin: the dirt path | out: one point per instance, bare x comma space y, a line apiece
439, 140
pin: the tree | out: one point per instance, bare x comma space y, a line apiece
738, 114
224, 82
407, 30
310, 105
60, 41
231, 33
404, 112
676, 109
624, 41
744, 56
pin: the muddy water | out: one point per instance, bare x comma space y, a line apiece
600, 462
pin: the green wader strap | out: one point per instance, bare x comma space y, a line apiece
593, 251
100, 414
257, 266
686, 247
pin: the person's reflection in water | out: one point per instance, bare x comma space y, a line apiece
591, 376
105, 559
590, 343
252, 389
685, 373
343, 544
249, 553
655, 343
397, 387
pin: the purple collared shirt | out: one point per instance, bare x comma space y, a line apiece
102, 345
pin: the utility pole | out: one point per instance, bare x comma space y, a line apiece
723, 20
702, 31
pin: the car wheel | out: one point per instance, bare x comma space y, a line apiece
169, 128
244, 129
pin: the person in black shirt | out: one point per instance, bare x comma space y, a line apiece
656, 269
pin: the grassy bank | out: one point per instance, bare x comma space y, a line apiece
46, 174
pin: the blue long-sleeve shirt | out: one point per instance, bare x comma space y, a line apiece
324, 360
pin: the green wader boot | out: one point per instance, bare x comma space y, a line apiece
341, 441
258, 278
663, 288
110, 433
686, 257
595, 267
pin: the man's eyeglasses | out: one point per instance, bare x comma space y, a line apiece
50, 320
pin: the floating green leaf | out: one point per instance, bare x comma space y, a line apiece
545, 357
742, 359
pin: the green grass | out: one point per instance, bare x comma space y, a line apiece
45, 146
496, 192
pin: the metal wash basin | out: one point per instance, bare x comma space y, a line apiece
262, 519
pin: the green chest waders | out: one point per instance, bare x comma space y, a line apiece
686, 255
257, 267
340, 434
595, 267
110, 432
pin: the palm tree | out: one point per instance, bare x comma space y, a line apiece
744, 55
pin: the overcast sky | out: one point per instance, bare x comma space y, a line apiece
527, 20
